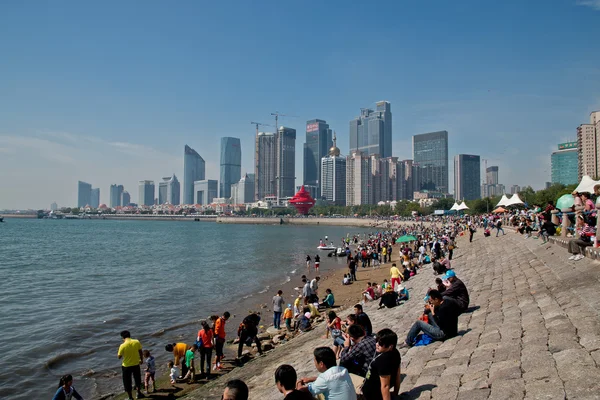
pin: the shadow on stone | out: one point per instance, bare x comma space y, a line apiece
472, 309
463, 332
415, 392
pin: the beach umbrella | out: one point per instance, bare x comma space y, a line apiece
406, 238
565, 201
499, 210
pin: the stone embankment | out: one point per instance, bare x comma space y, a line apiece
534, 332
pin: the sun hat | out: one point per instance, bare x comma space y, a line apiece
450, 274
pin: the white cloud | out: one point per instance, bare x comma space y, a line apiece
595, 4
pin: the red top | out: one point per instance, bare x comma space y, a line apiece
206, 337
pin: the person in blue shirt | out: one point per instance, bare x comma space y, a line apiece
66, 391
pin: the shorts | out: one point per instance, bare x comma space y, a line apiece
127, 373
338, 341
220, 342
317, 265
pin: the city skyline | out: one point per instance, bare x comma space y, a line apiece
474, 76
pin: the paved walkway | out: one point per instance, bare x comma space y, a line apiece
535, 335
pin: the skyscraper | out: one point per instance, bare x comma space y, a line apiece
243, 191
146, 193
359, 180
116, 192
404, 174
125, 198
194, 169
169, 190
265, 166
231, 164
430, 152
565, 164
333, 176
467, 175
492, 187
95, 198
286, 162
587, 151
318, 143
491, 175
205, 191
371, 132
515, 189
84, 194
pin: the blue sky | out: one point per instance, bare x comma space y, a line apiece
111, 92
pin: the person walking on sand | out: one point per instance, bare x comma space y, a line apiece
66, 391
278, 303
130, 351
149, 372
395, 273
219, 334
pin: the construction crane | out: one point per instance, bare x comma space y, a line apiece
259, 124
277, 115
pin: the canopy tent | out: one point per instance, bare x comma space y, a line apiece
514, 200
406, 239
503, 201
565, 201
463, 206
499, 210
454, 207
586, 185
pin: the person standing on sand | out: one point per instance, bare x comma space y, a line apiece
205, 336
278, 303
219, 335
352, 269
317, 262
395, 273
131, 353
308, 261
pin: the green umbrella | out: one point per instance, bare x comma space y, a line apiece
406, 238
565, 201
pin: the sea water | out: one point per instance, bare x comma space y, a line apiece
68, 287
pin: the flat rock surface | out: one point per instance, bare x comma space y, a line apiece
535, 332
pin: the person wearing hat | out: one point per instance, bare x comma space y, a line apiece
456, 290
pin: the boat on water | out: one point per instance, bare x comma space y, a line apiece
1, 219
324, 247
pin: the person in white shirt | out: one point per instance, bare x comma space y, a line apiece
333, 382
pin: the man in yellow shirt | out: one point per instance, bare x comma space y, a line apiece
396, 274
131, 353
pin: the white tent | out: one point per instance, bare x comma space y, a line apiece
586, 185
463, 206
454, 207
514, 200
503, 201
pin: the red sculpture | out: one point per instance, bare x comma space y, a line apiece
302, 201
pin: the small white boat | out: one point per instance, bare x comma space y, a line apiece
326, 247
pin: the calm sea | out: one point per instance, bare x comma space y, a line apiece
67, 288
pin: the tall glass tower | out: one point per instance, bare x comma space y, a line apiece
231, 165
194, 169
467, 175
371, 132
430, 156
318, 143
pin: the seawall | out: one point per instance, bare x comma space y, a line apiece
361, 222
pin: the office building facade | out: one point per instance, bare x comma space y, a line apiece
404, 176
467, 177
317, 146
565, 164
194, 169
146, 191
116, 191
231, 165
430, 156
265, 166
286, 162
371, 132
205, 191
515, 189
84, 194
491, 175
242, 192
125, 198
95, 198
333, 177
169, 190
359, 180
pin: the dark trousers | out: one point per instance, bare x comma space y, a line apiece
184, 368
353, 274
471, 236
205, 353
450, 252
578, 246
245, 337
127, 373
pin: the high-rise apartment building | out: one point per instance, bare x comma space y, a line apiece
194, 169
405, 174
286, 162
565, 164
467, 175
116, 191
491, 175
242, 192
430, 156
587, 155
205, 191
492, 187
317, 146
95, 198
146, 191
359, 180
169, 190
265, 165
515, 189
231, 165
125, 198
371, 132
333, 176
84, 194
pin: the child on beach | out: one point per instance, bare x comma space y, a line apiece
287, 316
189, 363
174, 372
150, 371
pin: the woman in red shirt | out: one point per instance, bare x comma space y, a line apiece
205, 335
